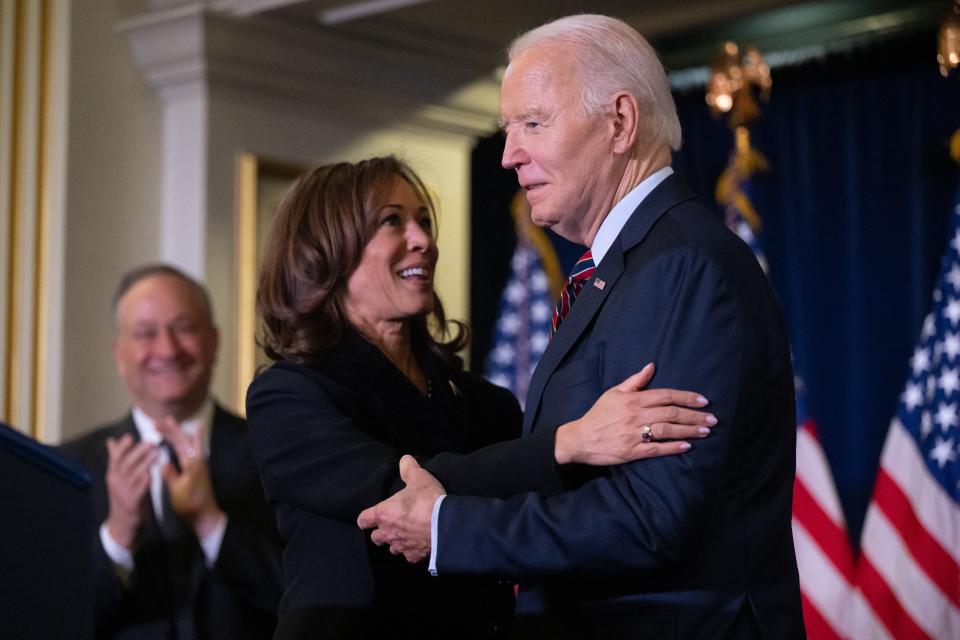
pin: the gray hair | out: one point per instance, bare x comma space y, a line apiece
132, 277
612, 57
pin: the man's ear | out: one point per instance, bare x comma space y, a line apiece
626, 119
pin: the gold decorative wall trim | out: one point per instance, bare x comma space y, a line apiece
25, 77
258, 182
7, 19
246, 199
14, 207
42, 238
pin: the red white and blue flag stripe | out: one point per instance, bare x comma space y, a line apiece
824, 554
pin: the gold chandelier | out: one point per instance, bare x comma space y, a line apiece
948, 40
733, 78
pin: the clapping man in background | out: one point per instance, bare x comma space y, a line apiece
187, 546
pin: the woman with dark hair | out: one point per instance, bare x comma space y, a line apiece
350, 315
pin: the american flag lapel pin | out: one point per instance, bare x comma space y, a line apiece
599, 284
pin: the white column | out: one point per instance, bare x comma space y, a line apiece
184, 180
169, 45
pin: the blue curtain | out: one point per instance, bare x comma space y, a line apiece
855, 214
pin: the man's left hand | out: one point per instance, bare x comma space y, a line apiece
191, 491
403, 520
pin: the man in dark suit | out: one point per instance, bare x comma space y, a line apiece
187, 546
691, 546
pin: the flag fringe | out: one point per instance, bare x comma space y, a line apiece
745, 162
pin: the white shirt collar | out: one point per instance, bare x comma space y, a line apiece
612, 225
204, 416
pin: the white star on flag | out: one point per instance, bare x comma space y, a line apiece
515, 292
541, 312
951, 345
503, 354
920, 361
539, 341
913, 396
953, 277
509, 323
950, 381
539, 282
946, 416
943, 452
952, 311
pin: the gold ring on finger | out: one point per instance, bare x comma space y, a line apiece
646, 433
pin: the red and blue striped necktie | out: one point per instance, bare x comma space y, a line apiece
582, 271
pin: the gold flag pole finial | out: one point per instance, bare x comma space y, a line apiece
736, 82
948, 57
948, 40
733, 81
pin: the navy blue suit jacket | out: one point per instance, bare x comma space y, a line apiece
691, 546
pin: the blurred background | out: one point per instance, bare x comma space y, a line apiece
135, 131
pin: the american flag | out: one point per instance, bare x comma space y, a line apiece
522, 332
908, 577
824, 555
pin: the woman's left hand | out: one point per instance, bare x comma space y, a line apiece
627, 423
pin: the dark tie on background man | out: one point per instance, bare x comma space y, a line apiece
582, 271
170, 524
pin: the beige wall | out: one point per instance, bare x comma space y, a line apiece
112, 208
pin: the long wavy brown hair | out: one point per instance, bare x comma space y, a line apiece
315, 243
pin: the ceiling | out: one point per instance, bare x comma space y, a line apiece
685, 32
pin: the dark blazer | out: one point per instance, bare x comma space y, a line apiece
328, 438
691, 546
171, 592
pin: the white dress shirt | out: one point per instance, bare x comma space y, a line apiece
609, 229
120, 555
613, 224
